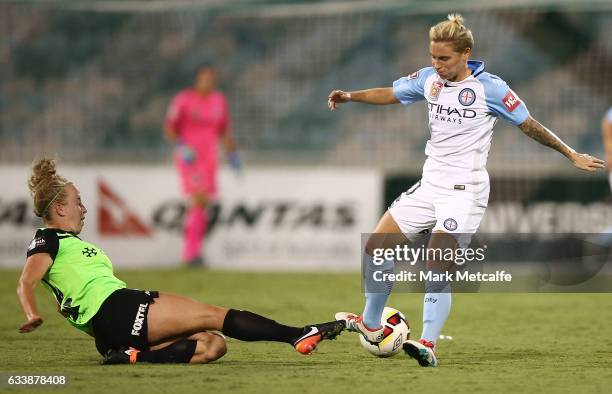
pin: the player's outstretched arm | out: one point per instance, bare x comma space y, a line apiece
583, 161
376, 96
34, 270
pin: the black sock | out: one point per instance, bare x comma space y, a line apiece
248, 326
179, 352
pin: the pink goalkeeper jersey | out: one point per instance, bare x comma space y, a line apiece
199, 122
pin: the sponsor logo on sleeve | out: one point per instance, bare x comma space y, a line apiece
436, 88
36, 242
511, 101
414, 75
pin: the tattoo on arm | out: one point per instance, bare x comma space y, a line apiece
536, 131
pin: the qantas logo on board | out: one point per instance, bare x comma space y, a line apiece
115, 218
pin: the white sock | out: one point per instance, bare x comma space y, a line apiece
436, 307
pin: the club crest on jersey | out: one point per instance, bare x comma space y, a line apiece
89, 252
414, 75
511, 101
450, 224
467, 96
436, 88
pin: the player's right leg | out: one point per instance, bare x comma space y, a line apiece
173, 316
162, 327
386, 235
411, 213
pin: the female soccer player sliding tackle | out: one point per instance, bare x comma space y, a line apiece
128, 325
464, 104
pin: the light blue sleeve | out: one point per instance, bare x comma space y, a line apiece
502, 101
409, 89
609, 115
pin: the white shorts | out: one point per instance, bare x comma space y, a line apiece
428, 207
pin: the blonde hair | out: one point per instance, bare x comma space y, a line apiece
46, 187
453, 31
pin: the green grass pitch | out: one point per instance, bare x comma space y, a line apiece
502, 342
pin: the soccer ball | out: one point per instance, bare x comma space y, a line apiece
397, 331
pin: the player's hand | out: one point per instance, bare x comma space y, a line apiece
337, 97
186, 153
31, 324
587, 162
234, 160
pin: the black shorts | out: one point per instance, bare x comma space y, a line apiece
121, 321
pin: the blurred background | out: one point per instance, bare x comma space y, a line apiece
90, 82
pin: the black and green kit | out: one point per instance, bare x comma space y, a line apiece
81, 277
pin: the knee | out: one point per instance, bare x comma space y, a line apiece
214, 347
384, 241
374, 242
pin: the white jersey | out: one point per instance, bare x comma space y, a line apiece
461, 119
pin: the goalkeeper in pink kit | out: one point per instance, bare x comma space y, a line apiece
197, 121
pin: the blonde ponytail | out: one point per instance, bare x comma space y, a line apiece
454, 32
46, 187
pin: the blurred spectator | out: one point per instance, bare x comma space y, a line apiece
197, 119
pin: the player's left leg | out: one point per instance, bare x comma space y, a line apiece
436, 302
437, 299
458, 214
199, 180
199, 348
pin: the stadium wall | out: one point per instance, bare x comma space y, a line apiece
266, 219
278, 219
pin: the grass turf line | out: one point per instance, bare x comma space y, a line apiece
502, 342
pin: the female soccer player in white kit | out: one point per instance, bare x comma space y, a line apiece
464, 103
